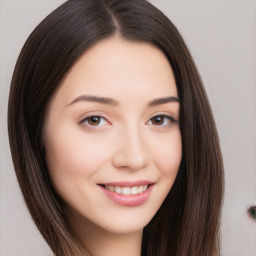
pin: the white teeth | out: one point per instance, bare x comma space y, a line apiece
134, 190
141, 189
118, 190
127, 190
111, 188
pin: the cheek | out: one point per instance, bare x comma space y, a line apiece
71, 154
167, 155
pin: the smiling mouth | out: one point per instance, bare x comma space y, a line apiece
136, 190
127, 193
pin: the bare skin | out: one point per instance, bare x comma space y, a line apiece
134, 138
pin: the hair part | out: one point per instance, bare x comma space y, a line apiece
188, 221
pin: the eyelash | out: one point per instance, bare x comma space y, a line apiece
168, 117
84, 121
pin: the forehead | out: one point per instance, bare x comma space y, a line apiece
115, 67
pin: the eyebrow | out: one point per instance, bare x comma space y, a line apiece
92, 98
164, 100
113, 102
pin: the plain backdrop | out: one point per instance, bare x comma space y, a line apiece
221, 35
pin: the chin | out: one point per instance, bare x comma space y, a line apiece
127, 225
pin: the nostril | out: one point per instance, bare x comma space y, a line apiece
252, 212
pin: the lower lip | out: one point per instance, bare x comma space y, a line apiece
128, 200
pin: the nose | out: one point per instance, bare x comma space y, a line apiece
132, 152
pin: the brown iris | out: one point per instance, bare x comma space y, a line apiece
158, 120
93, 120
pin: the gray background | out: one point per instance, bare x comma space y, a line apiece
222, 38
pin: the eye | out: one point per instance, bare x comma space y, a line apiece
94, 121
162, 120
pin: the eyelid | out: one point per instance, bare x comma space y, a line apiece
87, 115
164, 113
93, 113
82, 120
169, 116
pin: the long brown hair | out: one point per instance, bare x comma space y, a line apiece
188, 221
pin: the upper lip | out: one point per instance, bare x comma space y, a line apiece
128, 183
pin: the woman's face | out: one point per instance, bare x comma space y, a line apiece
111, 135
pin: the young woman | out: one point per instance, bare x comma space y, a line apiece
112, 136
